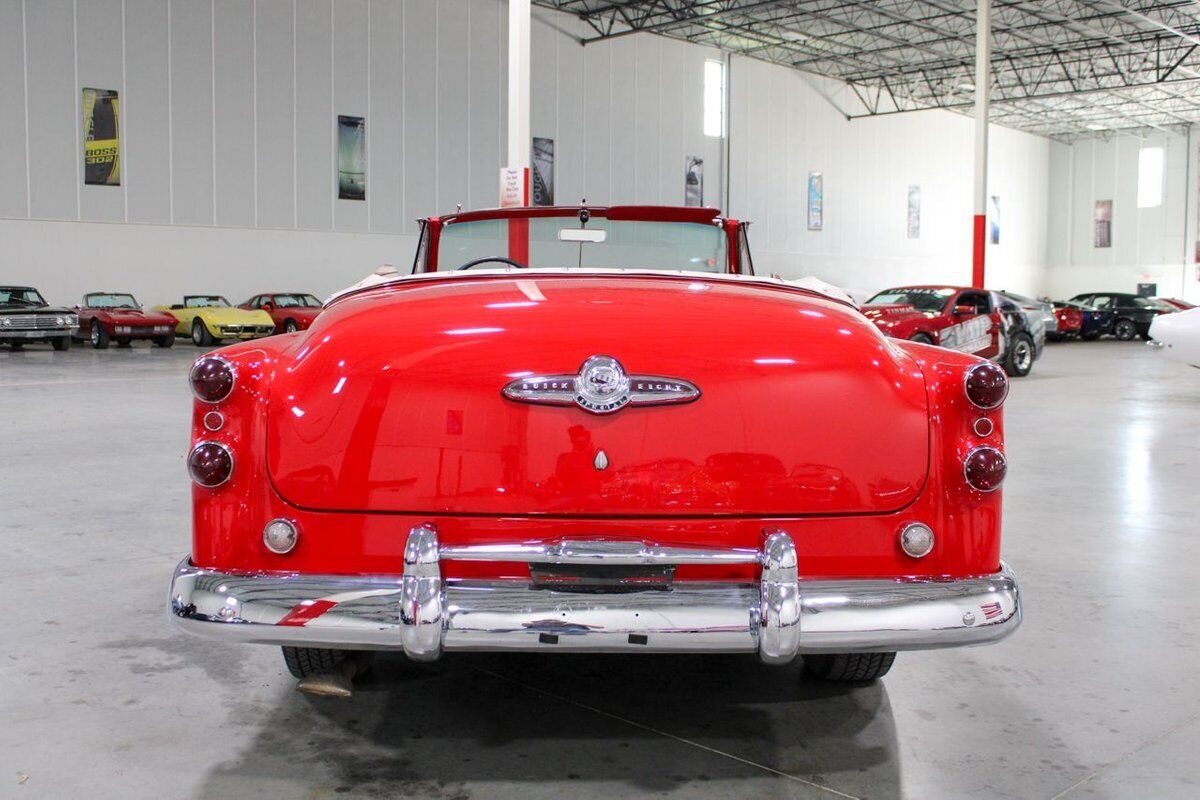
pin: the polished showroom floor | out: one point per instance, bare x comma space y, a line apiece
1096, 696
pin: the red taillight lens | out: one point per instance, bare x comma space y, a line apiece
212, 379
986, 385
985, 468
210, 464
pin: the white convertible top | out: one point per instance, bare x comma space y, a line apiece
388, 274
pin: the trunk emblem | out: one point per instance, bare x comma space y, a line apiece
601, 462
601, 386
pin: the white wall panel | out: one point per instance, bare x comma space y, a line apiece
386, 121
233, 73
486, 73
274, 113
452, 106
192, 112
420, 112
145, 112
54, 109
316, 182
13, 142
101, 66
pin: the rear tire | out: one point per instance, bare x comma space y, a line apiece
305, 661
1018, 361
99, 336
290, 326
200, 335
852, 667
61, 343
165, 341
1125, 330
923, 338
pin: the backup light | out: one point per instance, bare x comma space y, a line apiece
916, 539
212, 379
280, 536
210, 464
985, 468
986, 385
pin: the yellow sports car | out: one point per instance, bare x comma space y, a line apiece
209, 318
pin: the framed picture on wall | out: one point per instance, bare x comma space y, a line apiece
1102, 224
352, 158
816, 201
994, 219
541, 188
101, 138
693, 181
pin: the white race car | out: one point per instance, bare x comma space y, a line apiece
1178, 336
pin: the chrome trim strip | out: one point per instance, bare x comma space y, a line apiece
597, 551
423, 615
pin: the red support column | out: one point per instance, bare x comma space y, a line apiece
980, 248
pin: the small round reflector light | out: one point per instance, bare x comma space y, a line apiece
280, 536
986, 385
212, 379
210, 464
916, 539
985, 468
213, 420
984, 427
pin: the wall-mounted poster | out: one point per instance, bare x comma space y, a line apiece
914, 212
542, 190
816, 201
101, 140
994, 219
352, 158
693, 181
1102, 224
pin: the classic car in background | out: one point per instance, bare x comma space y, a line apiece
1035, 310
1178, 336
1070, 321
530, 445
1176, 303
26, 317
1132, 314
291, 311
975, 321
209, 318
109, 316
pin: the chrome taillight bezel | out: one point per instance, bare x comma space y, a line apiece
990, 366
233, 378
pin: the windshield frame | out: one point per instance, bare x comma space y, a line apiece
933, 291
87, 301
224, 301
432, 227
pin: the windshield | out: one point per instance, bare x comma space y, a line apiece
1153, 302
110, 301
205, 301
20, 296
554, 242
928, 300
295, 300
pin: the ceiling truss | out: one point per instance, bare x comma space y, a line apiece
1060, 68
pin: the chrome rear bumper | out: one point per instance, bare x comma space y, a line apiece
424, 615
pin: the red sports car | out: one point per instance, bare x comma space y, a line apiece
594, 430
976, 321
1070, 321
117, 316
292, 311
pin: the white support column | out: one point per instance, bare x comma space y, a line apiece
983, 84
518, 84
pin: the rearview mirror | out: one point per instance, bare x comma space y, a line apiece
962, 311
582, 235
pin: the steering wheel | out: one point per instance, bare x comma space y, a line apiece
499, 259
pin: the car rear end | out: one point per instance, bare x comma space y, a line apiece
372, 484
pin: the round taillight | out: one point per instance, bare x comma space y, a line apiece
210, 464
985, 468
986, 385
212, 379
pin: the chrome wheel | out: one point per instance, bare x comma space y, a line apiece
95, 334
290, 326
1023, 356
1125, 330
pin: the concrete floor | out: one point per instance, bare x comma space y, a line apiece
1096, 696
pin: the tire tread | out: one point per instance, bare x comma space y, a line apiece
305, 661
849, 667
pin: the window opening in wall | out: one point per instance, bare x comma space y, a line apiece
1150, 177
714, 98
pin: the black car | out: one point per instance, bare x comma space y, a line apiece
26, 317
1132, 314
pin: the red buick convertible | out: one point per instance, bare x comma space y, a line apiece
595, 430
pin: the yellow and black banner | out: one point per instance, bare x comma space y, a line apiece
102, 141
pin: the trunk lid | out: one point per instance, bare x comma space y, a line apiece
393, 402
